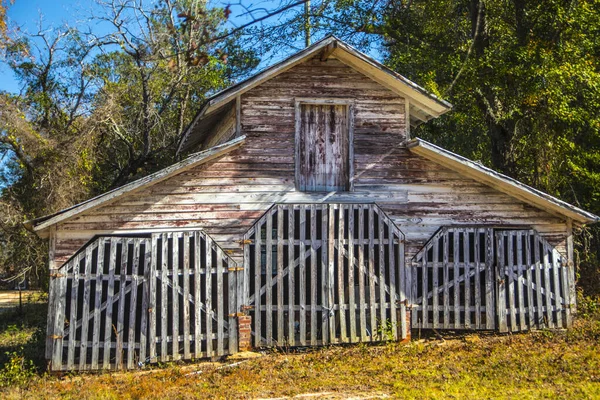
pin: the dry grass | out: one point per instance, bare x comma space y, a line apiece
535, 365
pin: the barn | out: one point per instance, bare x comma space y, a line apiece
303, 213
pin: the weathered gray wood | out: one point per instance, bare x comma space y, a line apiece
477, 278
456, 276
313, 276
435, 282
490, 306
86, 307
269, 280
425, 290
220, 301
198, 300
208, 293
547, 287
510, 267
351, 285
133, 327
52, 269
467, 262
538, 281
257, 286
404, 284
98, 291
446, 274
361, 276
570, 265
564, 288
121, 305
392, 279
176, 267
152, 289
108, 323
164, 296
502, 284
60, 286
73, 317
145, 299
555, 265
340, 274
186, 294
280, 287
529, 267
520, 280
232, 322
331, 273
382, 306
291, 277
324, 265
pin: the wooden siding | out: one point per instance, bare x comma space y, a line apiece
226, 196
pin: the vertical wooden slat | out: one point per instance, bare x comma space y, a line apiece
538, 282
446, 274
425, 290
198, 300
175, 295
351, 299
280, 288
511, 280
372, 301
85, 315
324, 274
108, 323
435, 263
220, 302
361, 273
97, 299
269, 280
520, 280
555, 265
131, 343
302, 275
60, 292
51, 294
313, 276
570, 272
477, 277
392, 276
547, 286
382, 303
291, 277
456, 291
257, 285
121, 305
73, 317
164, 301
467, 274
232, 329
489, 279
501, 279
564, 288
529, 267
152, 277
208, 252
186, 296
331, 271
340, 271
145, 299
404, 284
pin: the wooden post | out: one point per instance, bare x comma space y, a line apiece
51, 293
572, 305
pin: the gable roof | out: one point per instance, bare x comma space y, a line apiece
423, 105
40, 224
500, 182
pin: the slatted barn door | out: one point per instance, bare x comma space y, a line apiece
534, 283
192, 298
453, 281
323, 274
97, 301
124, 301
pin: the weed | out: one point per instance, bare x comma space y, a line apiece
18, 371
385, 330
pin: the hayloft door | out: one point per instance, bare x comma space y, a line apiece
322, 146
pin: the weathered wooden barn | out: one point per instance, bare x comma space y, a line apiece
305, 214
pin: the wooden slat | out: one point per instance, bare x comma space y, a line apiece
85, 315
257, 286
175, 296
467, 262
340, 274
152, 289
331, 272
361, 274
121, 305
109, 300
145, 299
60, 286
198, 300
565, 289
268, 281
538, 281
186, 294
324, 265
382, 307
232, 307
555, 265
220, 301
291, 277
435, 282
502, 283
98, 291
280, 288
208, 293
547, 286
490, 308
164, 297
446, 274
131, 342
392, 275
529, 267
313, 276
372, 301
351, 294
520, 280
477, 278
456, 288
73, 317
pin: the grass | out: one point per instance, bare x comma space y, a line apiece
541, 364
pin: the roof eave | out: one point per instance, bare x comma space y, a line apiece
501, 182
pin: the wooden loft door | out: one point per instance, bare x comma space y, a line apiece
322, 147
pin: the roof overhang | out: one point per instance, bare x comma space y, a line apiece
423, 105
41, 225
501, 182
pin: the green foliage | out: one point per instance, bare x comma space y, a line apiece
386, 330
17, 371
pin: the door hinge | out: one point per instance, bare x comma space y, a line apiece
247, 308
55, 337
57, 275
234, 269
244, 241
237, 314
